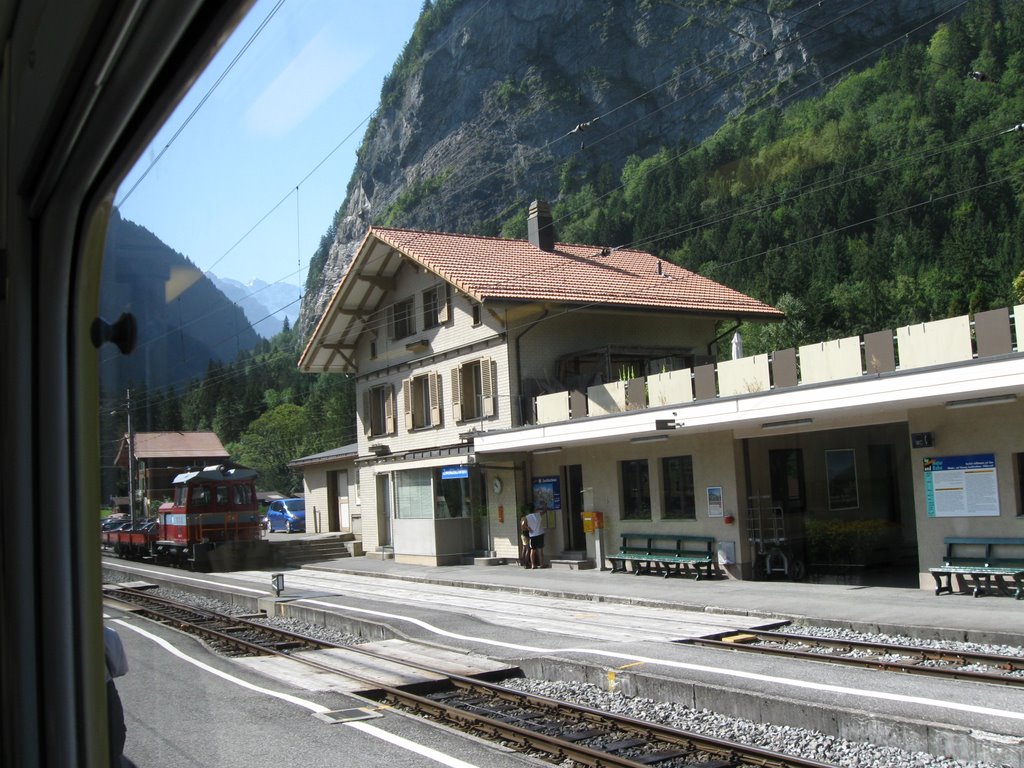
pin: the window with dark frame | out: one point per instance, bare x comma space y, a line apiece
402, 321
422, 398
435, 306
474, 390
378, 402
636, 490
679, 496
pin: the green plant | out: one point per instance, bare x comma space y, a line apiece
845, 541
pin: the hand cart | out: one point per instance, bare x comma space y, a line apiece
775, 550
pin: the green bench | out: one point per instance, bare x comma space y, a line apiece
666, 553
980, 565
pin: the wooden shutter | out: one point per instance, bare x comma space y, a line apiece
456, 378
488, 386
407, 403
434, 386
389, 410
367, 413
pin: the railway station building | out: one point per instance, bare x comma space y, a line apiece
494, 376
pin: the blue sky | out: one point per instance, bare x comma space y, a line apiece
310, 78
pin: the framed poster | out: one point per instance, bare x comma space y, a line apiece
714, 501
547, 497
961, 486
841, 474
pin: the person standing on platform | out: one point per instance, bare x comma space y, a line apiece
533, 526
117, 665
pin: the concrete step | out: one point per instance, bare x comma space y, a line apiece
311, 550
572, 564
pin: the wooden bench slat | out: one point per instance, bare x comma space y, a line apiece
657, 552
987, 570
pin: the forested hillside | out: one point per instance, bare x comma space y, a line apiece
261, 407
894, 198
489, 101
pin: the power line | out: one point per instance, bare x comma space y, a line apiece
202, 102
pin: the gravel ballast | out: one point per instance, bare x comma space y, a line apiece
799, 742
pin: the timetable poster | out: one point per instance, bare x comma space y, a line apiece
961, 486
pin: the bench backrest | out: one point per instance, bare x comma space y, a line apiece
667, 543
980, 550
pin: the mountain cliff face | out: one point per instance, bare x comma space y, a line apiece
493, 104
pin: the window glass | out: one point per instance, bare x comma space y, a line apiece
636, 490
677, 488
421, 402
414, 494
222, 495
243, 494
472, 394
435, 306
453, 500
402, 321
378, 408
200, 496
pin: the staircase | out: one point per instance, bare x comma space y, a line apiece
310, 550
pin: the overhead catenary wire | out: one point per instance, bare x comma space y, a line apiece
833, 74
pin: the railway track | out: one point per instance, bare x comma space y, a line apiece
555, 729
937, 662
228, 635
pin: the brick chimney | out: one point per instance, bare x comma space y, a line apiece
539, 226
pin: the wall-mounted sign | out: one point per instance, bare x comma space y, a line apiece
456, 472
922, 439
715, 501
547, 493
961, 486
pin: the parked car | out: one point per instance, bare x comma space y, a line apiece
288, 515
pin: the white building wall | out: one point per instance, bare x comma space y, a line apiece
989, 429
715, 463
314, 483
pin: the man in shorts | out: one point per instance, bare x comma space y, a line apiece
533, 527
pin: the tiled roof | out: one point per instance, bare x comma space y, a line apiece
199, 445
494, 268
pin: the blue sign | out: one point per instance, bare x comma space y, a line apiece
547, 493
454, 473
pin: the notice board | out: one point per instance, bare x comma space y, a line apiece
961, 486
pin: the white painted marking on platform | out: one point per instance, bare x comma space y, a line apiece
370, 730
783, 681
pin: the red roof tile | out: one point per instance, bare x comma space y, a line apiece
494, 268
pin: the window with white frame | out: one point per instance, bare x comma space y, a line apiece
379, 410
414, 494
421, 400
401, 320
474, 390
436, 306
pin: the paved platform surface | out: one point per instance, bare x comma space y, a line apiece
918, 611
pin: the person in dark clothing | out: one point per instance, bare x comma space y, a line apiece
117, 665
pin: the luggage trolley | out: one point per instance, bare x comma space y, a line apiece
774, 549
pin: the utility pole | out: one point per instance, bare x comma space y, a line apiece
131, 463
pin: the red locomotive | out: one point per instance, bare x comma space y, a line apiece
212, 524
